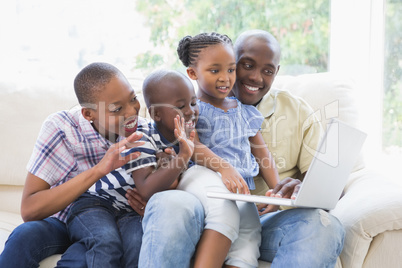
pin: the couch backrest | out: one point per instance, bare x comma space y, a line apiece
22, 114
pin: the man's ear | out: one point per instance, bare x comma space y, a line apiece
191, 73
277, 69
87, 114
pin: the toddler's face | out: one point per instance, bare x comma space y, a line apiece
178, 98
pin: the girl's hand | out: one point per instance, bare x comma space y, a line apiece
233, 180
135, 201
113, 158
186, 143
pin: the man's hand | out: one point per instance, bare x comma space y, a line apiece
286, 188
135, 201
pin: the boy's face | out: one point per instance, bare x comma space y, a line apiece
177, 98
257, 66
215, 71
117, 109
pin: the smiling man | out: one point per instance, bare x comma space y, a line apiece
294, 237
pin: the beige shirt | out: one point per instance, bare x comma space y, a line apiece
291, 131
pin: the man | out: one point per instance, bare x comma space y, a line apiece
293, 237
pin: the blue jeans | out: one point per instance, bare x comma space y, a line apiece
31, 242
112, 237
173, 224
301, 238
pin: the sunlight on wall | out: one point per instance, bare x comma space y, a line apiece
48, 42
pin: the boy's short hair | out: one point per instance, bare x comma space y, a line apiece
153, 84
91, 80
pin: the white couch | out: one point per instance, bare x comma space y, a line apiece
371, 209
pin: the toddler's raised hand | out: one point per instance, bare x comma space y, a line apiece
186, 143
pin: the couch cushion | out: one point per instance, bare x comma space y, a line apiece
371, 206
8, 221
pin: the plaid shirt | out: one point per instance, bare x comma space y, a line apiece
67, 146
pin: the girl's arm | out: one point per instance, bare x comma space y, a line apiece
230, 176
39, 201
268, 169
265, 160
149, 180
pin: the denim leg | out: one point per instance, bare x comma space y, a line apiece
301, 238
31, 242
91, 222
130, 227
173, 223
73, 257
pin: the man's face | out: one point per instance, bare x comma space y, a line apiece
256, 68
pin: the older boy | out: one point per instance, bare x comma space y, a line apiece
295, 237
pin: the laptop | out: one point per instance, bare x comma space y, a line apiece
327, 175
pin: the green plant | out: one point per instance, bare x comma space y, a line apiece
392, 109
301, 27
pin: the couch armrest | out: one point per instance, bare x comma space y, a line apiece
371, 206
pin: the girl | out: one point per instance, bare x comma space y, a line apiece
229, 128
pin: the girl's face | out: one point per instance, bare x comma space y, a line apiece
215, 72
117, 109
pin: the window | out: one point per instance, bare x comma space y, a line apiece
45, 43
364, 44
392, 113
48, 42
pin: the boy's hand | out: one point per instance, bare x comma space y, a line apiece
186, 143
233, 180
113, 159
